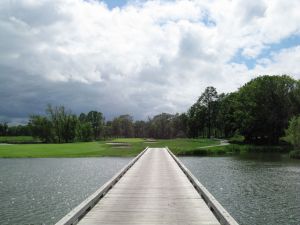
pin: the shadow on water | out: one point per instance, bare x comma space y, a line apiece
264, 157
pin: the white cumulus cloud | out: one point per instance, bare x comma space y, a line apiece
143, 58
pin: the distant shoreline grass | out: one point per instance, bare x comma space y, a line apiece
237, 147
98, 148
129, 147
18, 140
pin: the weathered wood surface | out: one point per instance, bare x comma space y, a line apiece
153, 191
78, 212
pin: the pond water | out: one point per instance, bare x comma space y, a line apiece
41, 191
255, 189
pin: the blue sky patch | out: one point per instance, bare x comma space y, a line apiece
208, 20
240, 59
267, 52
115, 3
289, 42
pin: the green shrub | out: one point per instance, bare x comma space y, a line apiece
293, 132
295, 154
237, 139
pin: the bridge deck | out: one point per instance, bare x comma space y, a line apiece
153, 191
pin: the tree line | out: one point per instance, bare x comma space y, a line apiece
60, 125
260, 111
19, 130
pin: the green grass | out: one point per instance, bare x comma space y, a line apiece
238, 139
184, 146
17, 139
132, 147
208, 151
128, 140
98, 149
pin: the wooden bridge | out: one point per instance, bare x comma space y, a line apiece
155, 188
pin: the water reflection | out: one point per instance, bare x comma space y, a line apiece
266, 157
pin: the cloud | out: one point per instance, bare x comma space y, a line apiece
285, 61
142, 58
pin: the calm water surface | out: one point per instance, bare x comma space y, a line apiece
255, 190
41, 191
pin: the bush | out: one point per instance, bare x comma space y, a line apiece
295, 154
237, 139
293, 132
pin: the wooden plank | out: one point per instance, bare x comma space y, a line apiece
78, 212
153, 191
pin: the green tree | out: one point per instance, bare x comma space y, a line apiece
116, 127
107, 131
84, 131
126, 124
295, 98
196, 120
293, 132
96, 120
265, 106
19, 130
208, 99
179, 125
160, 126
64, 123
42, 128
227, 113
140, 129
202, 116
82, 118
123, 126
3, 129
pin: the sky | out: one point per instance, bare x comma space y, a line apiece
138, 57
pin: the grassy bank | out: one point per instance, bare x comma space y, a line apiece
237, 148
122, 147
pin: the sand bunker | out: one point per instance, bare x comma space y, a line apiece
150, 140
119, 144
